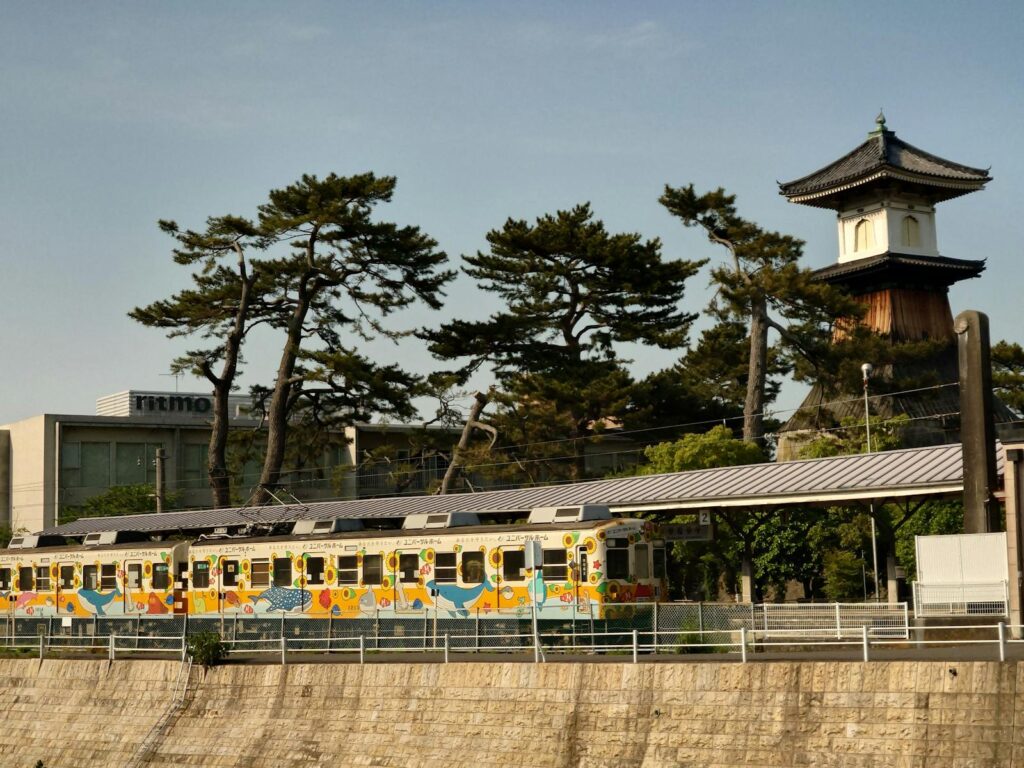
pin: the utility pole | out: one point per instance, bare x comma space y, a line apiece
866, 369
161, 457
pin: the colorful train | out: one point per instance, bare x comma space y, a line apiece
569, 560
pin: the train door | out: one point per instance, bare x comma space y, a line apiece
227, 584
131, 587
511, 576
314, 570
180, 584
65, 584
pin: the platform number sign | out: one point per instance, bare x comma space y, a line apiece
700, 528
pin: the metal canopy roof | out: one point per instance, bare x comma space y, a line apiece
911, 472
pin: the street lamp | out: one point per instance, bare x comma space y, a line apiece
867, 369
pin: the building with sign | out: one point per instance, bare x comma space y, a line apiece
56, 462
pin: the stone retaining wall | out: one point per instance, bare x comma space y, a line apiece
86, 713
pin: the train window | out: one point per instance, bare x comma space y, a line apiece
229, 571
555, 565
90, 577
67, 577
616, 564
314, 570
25, 579
372, 569
261, 573
42, 578
348, 569
5, 578
659, 562
513, 563
444, 568
108, 576
201, 574
161, 576
282, 571
472, 567
409, 567
134, 576
641, 561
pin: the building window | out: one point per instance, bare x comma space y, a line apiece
193, 465
85, 465
201, 574
229, 568
444, 568
282, 571
67, 577
863, 235
472, 567
135, 463
25, 581
372, 570
556, 566
348, 569
161, 576
911, 232
314, 570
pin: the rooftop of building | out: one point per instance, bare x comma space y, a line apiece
881, 158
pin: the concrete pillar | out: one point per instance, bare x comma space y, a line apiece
892, 584
1013, 485
747, 580
5, 479
977, 428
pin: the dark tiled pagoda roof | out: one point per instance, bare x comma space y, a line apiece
883, 157
900, 269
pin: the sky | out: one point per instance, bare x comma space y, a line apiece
115, 115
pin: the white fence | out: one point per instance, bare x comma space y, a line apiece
939, 600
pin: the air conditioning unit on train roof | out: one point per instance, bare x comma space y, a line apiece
578, 513
440, 520
313, 527
24, 541
99, 538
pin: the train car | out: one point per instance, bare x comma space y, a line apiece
106, 576
448, 562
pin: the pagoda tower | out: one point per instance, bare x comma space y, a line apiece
884, 194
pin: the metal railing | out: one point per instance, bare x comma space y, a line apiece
982, 599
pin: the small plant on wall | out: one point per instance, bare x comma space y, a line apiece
207, 648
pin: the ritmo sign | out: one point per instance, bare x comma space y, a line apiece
172, 404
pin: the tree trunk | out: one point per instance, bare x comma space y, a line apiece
281, 399
479, 401
753, 406
217, 454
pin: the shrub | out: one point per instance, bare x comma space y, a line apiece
207, 648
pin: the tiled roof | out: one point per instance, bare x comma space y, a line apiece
939, 269
918, 471
885, 155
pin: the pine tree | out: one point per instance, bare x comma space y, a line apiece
571, 290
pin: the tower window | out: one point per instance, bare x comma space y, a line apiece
911, 232
863, 235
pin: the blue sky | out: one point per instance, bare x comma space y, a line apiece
113, 115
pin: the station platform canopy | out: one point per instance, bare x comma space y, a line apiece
915, 472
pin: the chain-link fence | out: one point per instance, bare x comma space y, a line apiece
655, 627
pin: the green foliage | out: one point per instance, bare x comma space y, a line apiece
119, 500
1008, 374
886, 435
207, 648
843, 576
715, 448
930, 519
